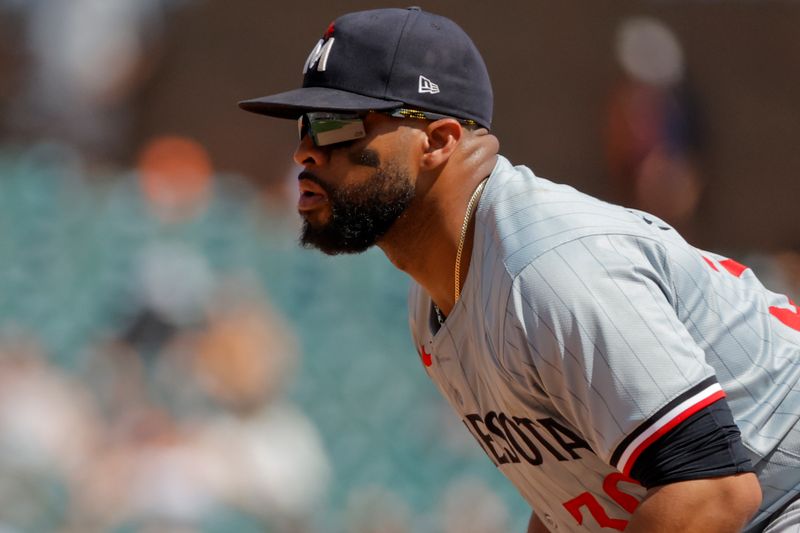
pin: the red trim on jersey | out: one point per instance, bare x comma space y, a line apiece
710, 263
733, 267
425, 356
705, 402
787, 316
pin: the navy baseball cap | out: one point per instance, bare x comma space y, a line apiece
384, 59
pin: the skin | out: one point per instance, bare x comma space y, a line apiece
715, 505
445, 163
359, 213
718, 505
536, 526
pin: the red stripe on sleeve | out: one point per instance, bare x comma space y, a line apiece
705, 402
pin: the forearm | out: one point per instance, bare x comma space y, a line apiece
700, 506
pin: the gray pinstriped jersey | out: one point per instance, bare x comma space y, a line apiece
585, 331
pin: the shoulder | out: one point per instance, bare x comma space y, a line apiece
570, 269
523, 216
590, 290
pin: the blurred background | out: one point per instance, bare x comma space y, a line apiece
170, 360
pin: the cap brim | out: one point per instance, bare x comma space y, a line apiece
292, 104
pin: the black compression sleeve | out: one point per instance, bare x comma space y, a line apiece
707, 444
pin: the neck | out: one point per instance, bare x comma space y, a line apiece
423, 242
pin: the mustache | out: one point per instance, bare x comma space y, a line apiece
306, 175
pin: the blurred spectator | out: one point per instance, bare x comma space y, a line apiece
470, 506
375, 509
653, 130
11, 59
155, 474
175, 284
243, 362
260, 454
210, 434
86, 59
49, 435
175, 177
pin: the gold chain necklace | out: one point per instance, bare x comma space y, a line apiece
467, 216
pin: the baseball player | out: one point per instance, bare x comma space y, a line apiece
619, 377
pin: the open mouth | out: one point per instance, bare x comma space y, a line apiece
311, 195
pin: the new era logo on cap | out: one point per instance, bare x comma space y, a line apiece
426, 86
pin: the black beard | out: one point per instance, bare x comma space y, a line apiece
360, 214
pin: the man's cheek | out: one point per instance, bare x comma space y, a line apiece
365, 157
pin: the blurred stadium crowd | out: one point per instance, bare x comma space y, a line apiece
151, 376
170, 360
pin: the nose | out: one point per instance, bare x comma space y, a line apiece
307, 153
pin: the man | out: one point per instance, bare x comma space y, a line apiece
619, 377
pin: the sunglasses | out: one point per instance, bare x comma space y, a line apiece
326, 128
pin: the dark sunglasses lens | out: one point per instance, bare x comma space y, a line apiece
331, 128
302, 126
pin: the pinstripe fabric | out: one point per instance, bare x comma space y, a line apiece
586, 330
787, 521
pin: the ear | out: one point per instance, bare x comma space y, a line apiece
443, 137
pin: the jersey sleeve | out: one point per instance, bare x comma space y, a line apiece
592, 326
708, 444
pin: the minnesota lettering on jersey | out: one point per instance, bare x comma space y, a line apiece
513, 439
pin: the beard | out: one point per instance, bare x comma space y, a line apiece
360, 214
